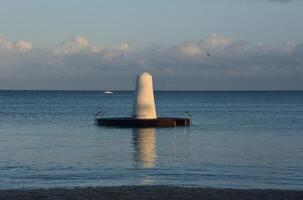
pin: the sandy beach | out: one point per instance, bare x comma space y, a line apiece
152, 192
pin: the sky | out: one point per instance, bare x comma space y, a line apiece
103, 45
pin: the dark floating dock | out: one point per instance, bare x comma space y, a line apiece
143, 123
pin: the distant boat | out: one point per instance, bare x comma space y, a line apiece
108, 92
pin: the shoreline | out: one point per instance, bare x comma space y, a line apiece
151, 192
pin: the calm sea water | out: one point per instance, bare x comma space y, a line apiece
238, 140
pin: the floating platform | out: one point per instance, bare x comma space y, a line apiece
131, 122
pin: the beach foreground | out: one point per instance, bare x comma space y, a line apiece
152, 192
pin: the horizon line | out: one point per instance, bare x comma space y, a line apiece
101, 90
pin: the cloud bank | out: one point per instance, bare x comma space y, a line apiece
8, 45
212, 63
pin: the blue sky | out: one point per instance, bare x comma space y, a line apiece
143, 23
98, 44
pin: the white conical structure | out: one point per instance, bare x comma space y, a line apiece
144, 103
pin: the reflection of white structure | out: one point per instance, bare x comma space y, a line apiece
145, 147
144, 104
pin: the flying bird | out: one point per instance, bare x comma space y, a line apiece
208, 54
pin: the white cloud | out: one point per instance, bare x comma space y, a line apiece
189, 49
79, 44
211, 43
5, 44
116, 52
8, 45
24, 46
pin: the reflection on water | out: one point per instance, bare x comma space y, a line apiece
144, 140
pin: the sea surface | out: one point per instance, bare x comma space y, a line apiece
237, 140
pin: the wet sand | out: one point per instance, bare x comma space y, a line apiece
151, 192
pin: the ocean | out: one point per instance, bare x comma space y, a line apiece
237, 140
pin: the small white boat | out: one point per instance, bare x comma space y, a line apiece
108, 92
